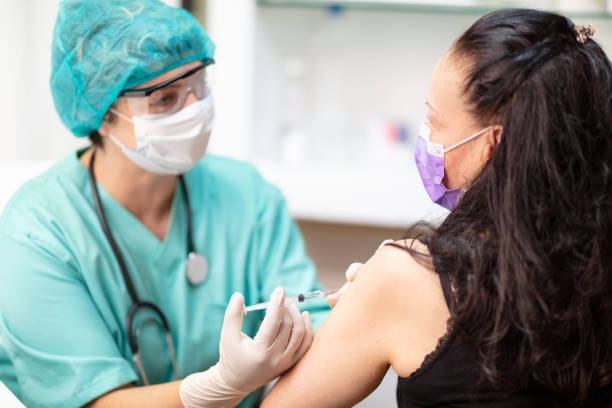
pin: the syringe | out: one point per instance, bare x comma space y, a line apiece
299, 298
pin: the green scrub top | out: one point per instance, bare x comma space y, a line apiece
63, 301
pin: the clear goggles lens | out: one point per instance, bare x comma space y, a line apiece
170, 98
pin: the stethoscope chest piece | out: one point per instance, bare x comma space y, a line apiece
197, 268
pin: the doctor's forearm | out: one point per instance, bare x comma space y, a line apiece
159, 395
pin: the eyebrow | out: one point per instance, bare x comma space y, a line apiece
438, 119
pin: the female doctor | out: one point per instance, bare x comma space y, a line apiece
118, 262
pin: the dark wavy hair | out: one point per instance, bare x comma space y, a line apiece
95, 138
529, 245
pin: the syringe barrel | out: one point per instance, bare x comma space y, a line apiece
314, 295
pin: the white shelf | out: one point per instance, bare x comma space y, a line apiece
595, 8
354, 195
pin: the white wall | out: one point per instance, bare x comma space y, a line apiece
12, 17
231, 25
32, 128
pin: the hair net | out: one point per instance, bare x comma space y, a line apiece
101, 47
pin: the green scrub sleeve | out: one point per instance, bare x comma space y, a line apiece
62, 351
283, 260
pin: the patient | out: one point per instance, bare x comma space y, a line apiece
507, 302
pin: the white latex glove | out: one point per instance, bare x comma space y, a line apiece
246, 364
350, 274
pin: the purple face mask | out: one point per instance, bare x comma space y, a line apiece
430, 162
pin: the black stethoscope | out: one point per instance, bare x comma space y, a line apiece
196, 269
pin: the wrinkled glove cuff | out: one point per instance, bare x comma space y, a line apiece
208, 389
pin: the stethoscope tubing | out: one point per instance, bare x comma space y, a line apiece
137, 304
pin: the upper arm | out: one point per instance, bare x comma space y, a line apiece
61, 348
370, 328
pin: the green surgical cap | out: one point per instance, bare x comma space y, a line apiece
101, 47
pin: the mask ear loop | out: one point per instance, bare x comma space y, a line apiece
121, 115
474, 136
118, 142
113, 138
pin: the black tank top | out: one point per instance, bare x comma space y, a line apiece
449, 376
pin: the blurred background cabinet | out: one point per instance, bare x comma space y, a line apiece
326, 97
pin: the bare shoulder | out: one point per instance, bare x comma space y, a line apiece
397, 258
401, 272
392, 314
409, 291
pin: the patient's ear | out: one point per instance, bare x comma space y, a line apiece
493, 136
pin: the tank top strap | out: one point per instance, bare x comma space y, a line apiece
446, 287
442, 274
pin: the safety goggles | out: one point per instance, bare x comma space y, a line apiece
169, 96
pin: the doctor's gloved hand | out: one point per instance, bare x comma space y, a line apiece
245, 363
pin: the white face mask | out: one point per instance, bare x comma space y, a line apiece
170, 144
